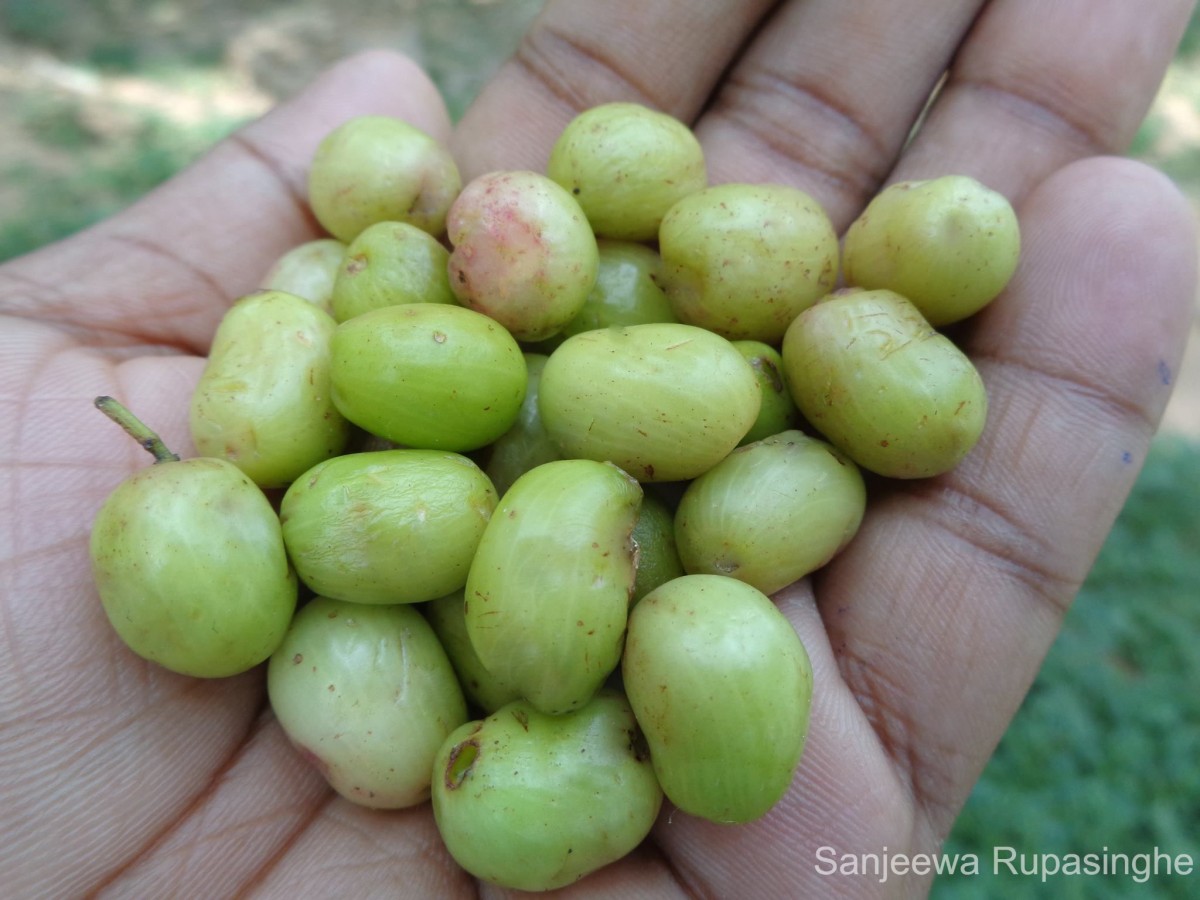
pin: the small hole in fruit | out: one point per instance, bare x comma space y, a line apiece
459, 764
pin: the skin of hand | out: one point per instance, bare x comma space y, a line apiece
121, 778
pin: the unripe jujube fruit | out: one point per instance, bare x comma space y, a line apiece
627, 165
367, 694
388, 264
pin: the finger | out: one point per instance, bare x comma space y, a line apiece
578, 54
1037, 85
825, 97
166, 269
944, 605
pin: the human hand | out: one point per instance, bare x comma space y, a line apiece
120, 777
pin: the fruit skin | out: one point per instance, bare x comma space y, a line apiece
428, 375
948, 244
379, 169
721, 686
627, 165
526, 444
523, 254
657, 554
665, 402
387, 526
744, 260
778, 411
388, 264
447, 616
548, 592
190, 566
536, 802
367, 694
308, 271
264, 399
884, 387
771, 512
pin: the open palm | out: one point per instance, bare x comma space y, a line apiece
118, 777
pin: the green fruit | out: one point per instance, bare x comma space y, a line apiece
526, 444
378, 169
367, 695
870, 374
949, 245
778, 411
548, 591
665, 402
657, 555
626, 290
264, 400
428, 375
721, 687
390, 526
448, 617
771, 512
308, 271
743, 260
189, 563
523, 252
388, 264
535, 802
627, 165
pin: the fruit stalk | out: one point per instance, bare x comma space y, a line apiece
136, 429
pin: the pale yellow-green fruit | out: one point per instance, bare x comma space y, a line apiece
721, 686
873, 376
771, 512
308, 270
367, 694
744, 260
665, 402
778, 411
526, 444
948, 244
626, 292
627, 165
388, 264
548, 592
190, 566
448, 617
264, 401
381, 169
657, 554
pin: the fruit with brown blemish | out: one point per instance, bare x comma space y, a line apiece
535, 802
778, 410
388, 264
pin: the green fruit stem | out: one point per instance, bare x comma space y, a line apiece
136, 429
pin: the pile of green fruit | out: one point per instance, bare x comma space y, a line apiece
498, 478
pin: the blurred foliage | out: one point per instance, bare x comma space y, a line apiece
1104, 751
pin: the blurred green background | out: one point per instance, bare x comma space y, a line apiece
100, 100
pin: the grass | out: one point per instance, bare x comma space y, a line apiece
1105, 750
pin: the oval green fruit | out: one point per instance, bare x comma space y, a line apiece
448, 617
874, 377
388, 526
626, 292
743, 260
771, 512
388, 264
367, 695
627, 165
657, 554
190, 566
548, 592
428, 375
778, 411
380, 169
264, 399
948, 244
535, 802
721, 686
308, 271
526, 444
665, 402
